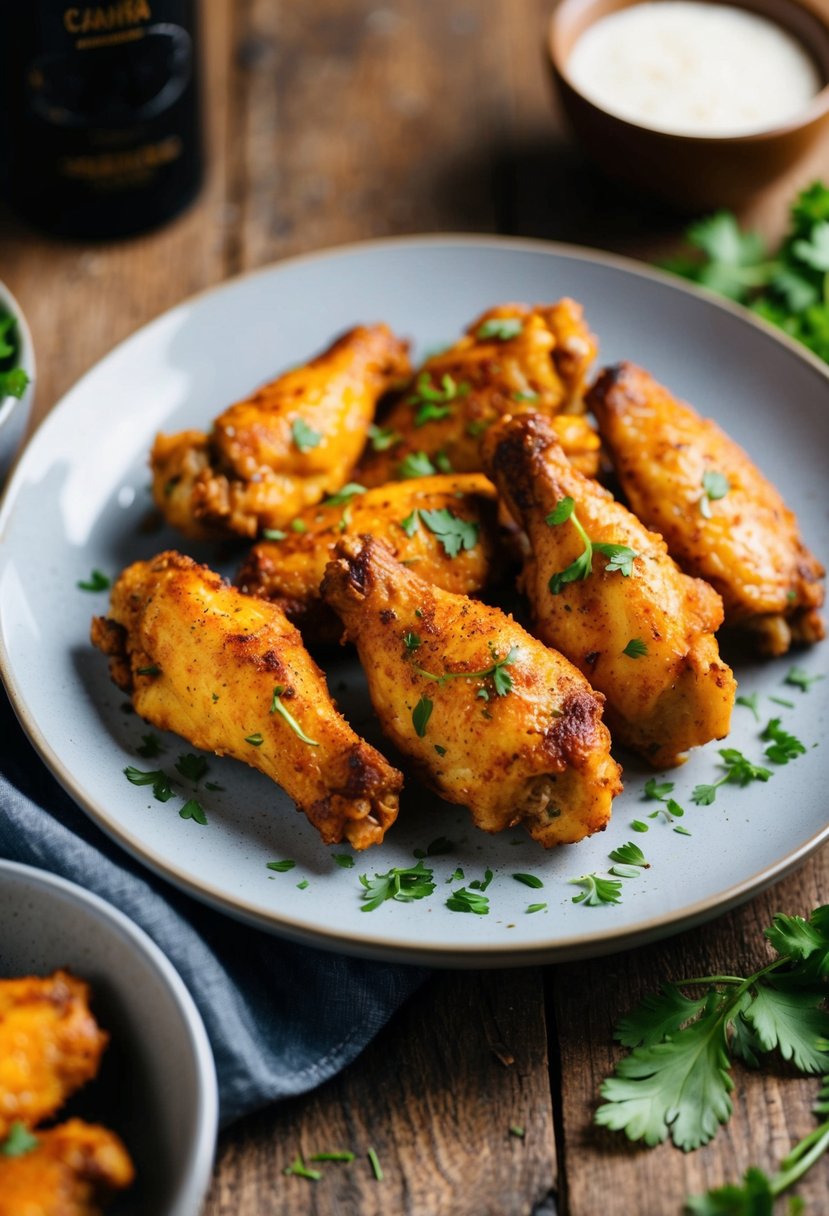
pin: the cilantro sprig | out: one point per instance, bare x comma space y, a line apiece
401, 884
620, 557
789, 287
435, 402
676, 1081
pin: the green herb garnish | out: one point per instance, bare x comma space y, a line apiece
19, 1141
305, 437
193, 810
159, 780
739, 770
529, 880
597, 890
150, 746
453, 532
376, 1168
501, 678
501, 328
750, 701
97, 581
435, 403
714, 486
344, 860
415, 464
192, 767
344, 495
281, 867
383, 438
782, 746
467, 900
299, 1169
403, 885
801, 679
277, 707
635, 649
421, 714
630, 855
620, 557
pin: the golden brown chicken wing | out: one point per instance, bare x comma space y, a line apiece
72, 1170
442, 526
230, 674
604, 592
50, 1045
493, 719
512, 359
722, 520
284, 447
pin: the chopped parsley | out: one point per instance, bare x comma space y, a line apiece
500, 328
638, 826
344, 495
801, 679
150, 746
18, 1141
750, 701
281, 867
376, 1168
660, 792
635, 649
193, 810
162, 790
620, 557
536, 908
403, 885
782, 746
97, 581
453, 532
383, 438
501, 678
529, 880
411, 640
420, 716
410, 524
277, 707
344, 860
467, 900
597, 890
303, 885
255, 740
630, 855
273, 534
299, 1169
415, 464
435, 403
191, 767
305, 437
714, 486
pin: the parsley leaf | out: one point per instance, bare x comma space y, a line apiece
630, 854
421, 715
305, 437
383, 438
750, 701
466, 900
162, 790
635, 649
453, 532
18, 1141
739, 770
193, 810
801, 679
597, 890
501, 678
415, 464
344, 495
281, 867
344, 860
97, 581
529, 880
620, 557
403, 885
714, 486
191, 767
501, 328
434, 403
783, 746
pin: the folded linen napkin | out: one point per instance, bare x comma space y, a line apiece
281, 1018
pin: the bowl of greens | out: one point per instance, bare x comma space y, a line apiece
17, 377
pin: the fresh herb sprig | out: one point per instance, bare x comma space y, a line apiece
789, 288
620, 557
502, 682
401, 884
739, 770
435, 402
676, 1080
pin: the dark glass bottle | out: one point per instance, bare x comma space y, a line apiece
102, 113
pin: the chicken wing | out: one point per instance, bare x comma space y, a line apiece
512, 359
722, 520
640, 630
492, 718
283, 448
230, 674
72, 1170
444, 525
50, 1045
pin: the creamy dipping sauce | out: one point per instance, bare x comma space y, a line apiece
693, 68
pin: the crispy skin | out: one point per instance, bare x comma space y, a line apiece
538, 755
547, 362
250, 472
680, 693
74, 1170
289, 571
203, 660
50, 1045
750, 549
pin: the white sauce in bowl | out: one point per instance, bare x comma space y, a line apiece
693, 68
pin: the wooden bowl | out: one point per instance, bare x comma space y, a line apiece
693, 173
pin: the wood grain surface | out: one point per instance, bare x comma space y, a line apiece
336, 121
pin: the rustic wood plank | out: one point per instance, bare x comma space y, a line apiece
772, 1108
435, 1095
81, 299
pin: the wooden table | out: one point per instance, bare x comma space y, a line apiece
335, 121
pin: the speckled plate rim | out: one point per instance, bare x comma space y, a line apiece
427, 952
198, 1168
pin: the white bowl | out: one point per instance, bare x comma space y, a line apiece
15, 411
157, 1083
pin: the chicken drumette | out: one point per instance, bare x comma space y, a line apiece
720, 517
443, 526
284, 447
512, 359
71, 1170
230, 674
493, 719
604, 592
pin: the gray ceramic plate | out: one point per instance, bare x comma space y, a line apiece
157, 1085
77, 501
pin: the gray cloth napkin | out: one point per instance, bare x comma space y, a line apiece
281, 1018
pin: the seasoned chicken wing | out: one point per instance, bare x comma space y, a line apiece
604, 592
722, 520
230, 674
444, 527
492, 718
284, 447
50, 1045
512, 359
72, 1170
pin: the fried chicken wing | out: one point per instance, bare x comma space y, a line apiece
284, 447
50, 1045
493, 719
512, 359
720, 517
444, 526
230, 674
640, 630
73, 1170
